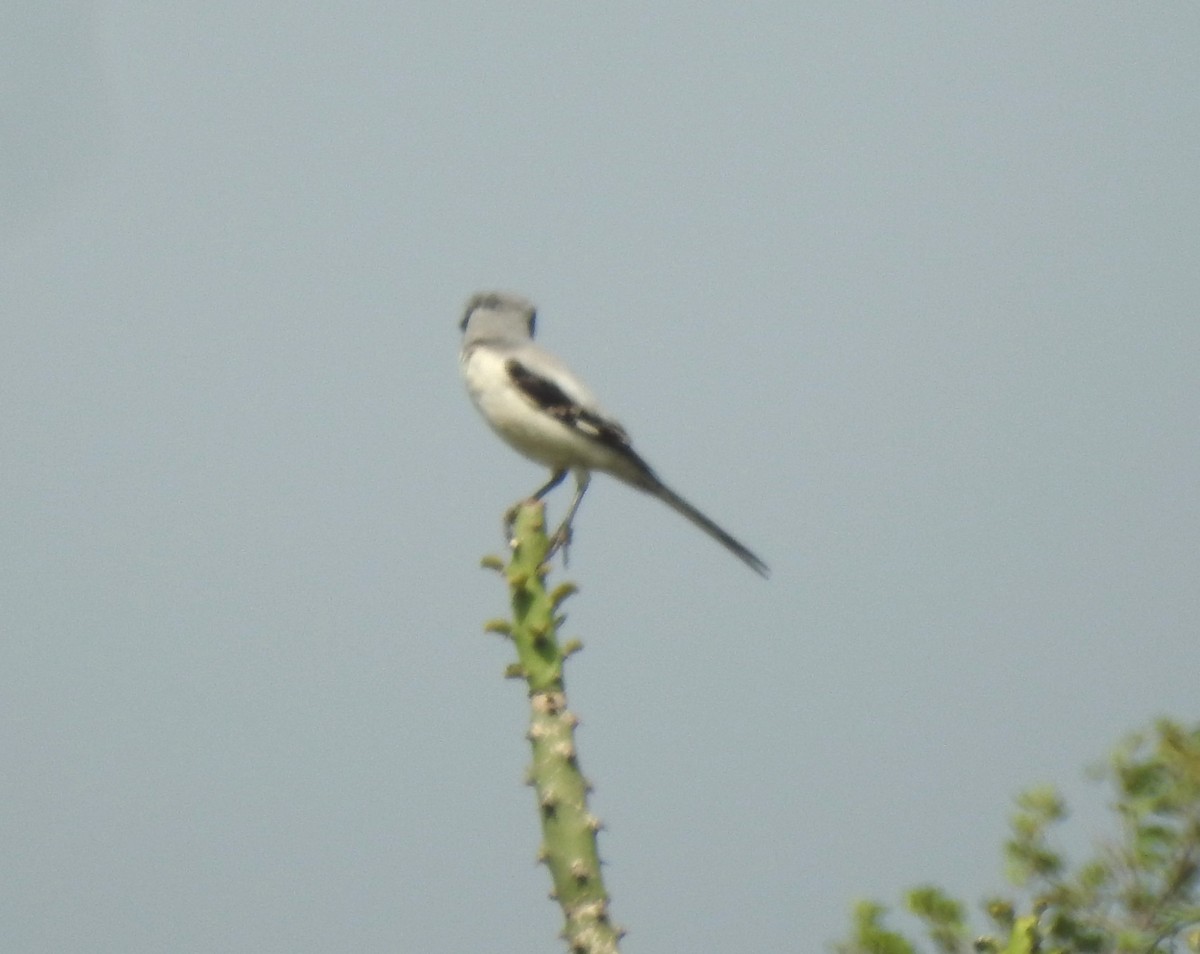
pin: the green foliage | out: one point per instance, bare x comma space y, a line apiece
871, 936
1139, 895
942, 915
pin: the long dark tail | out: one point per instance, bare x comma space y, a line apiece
678, 504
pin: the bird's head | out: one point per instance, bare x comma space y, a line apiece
498, 316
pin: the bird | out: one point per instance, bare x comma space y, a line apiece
542, 410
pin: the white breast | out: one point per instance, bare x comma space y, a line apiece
521, 423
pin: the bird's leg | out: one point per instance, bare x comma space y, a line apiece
562, 536
510, 515
555, 479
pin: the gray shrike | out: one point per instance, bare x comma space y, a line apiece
541, 409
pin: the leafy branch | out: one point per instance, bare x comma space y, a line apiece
1140, 894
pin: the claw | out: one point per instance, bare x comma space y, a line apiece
510, 518
560, 540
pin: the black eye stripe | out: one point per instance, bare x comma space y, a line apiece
496, 302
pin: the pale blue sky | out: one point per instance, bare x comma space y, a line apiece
903, 295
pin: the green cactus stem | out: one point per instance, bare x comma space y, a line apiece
568, 829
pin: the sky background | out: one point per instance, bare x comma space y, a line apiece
904, 295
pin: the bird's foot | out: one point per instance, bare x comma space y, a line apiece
510, 518
560, 540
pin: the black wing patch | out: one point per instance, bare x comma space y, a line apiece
554, 401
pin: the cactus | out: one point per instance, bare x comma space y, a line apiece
569, 830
